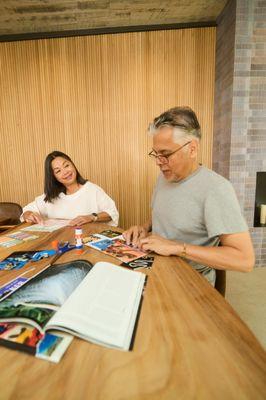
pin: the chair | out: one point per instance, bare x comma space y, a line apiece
220, 282
9, 215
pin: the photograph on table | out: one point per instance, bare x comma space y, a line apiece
117, 248
16, 260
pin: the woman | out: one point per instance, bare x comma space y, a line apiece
67, 195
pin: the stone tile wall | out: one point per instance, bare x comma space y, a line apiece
224, 74
245, 139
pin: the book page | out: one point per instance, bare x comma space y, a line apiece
104, 307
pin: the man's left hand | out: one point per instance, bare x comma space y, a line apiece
160, 245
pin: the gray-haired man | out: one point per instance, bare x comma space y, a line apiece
193, 208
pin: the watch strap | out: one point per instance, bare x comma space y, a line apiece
95, 215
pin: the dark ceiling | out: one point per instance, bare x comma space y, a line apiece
35, 17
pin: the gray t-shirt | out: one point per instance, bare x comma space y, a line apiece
196, 210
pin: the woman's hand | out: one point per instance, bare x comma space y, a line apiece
81, 220
30, 216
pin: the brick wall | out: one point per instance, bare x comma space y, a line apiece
224, 74
242, 129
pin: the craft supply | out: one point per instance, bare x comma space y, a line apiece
78, 238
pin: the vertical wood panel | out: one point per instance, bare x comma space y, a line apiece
93, 97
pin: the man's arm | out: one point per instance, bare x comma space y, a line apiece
137, 232
235, 253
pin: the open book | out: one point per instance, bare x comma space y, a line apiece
99, 304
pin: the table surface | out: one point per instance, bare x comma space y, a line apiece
189, 344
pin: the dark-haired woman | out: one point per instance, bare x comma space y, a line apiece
67, 195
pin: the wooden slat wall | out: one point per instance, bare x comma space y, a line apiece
93, 97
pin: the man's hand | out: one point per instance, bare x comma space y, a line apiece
134, 234
160, 245
81, 220
30, 216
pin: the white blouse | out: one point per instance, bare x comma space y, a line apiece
89, 199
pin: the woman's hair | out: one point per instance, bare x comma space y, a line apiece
52, 188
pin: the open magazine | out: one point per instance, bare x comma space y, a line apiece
113, 244
98, 304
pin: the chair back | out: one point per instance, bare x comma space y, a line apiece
10, 213
220, 282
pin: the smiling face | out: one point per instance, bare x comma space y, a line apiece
181, 163
64, 171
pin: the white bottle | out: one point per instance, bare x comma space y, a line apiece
78, 238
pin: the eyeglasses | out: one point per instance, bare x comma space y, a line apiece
164, 159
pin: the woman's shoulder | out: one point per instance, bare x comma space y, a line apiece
40, 198
90, 186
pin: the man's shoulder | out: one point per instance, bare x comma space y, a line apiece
209, 176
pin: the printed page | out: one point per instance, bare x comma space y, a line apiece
23, 337
49, 225
104, 307
117, 248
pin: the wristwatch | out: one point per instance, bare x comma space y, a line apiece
95, 216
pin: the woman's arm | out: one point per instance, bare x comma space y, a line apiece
32, 213
85, 219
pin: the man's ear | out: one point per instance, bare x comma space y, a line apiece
193, 148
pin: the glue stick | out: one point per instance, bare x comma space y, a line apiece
78, 238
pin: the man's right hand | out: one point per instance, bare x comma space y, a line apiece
30, 216
134, 234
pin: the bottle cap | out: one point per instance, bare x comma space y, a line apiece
55, 244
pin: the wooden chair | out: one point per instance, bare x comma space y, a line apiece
220, 282
9, 215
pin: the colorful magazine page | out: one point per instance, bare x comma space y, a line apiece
49, 225
109, 233
93, 238
117, 248
13, 239
16, 260
6, 241
23, 236
48, 346
37, 301
143, 262
53, 346
25, 313
106, 234
20, 336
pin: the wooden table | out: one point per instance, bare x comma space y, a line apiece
189, 344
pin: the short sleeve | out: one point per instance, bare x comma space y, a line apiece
106, 204
38, 206
222, 212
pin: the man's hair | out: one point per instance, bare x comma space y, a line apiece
182, 118
52, 188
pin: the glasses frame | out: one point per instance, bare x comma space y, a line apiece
164, 159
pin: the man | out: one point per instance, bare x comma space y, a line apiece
193, 208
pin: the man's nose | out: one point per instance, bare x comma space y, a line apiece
158, 161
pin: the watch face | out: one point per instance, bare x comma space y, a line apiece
95, 216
